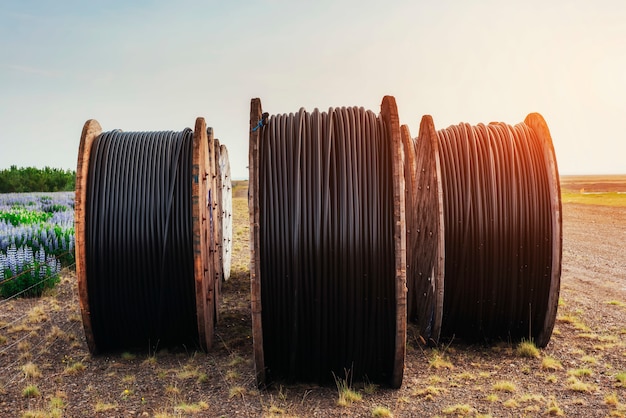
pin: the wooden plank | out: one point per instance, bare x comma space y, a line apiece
227, 212
253, 211
430, 231
538, 124
205, 298
216, 227
389, 113
219, 211
91, 130
408, 160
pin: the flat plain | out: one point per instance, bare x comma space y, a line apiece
46, 369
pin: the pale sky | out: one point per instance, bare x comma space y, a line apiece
157, 65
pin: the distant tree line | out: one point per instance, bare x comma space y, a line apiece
31, 179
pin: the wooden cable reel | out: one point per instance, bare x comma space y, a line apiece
204, 292
343, 189
491, 202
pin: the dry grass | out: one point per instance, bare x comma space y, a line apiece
504, 386
193, 408
549, 363
439, 360
527, 348
602, 199
31, 391
104, 407
31, 371
459, 410
381, 411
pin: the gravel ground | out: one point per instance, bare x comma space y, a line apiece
588, 348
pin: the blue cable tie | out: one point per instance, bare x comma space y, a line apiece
262, 122
258, 125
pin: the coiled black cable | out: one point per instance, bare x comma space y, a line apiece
138, 240
326, 242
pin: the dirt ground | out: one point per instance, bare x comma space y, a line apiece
582, 371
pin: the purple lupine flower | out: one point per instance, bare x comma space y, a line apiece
11, 258
28, 257
40, 256
3, 265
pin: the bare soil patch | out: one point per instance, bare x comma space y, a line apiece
577, 374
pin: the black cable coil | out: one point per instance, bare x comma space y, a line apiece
139, 252
327, 245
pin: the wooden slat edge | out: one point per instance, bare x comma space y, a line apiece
389, 112
428, 133
253, 210
538, 124
91, 130
200, 226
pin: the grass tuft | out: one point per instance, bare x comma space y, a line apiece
504, 386
492, 397
553, 409
381, 411
439, 360
428, 392
104, 407
236, 391
549, 363
611, 399
31, 391
31, 371
461, 410
579, 372
172, 390
192, 408
575, 384
511, 403
37, 315
589, 359
345, 392
74, 368
527, 348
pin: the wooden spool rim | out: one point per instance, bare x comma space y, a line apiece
538, 124
91, 130
427, 126
389, 114
256, 112
226, 217
218, 213
428, 132
203, 264
215, 244
428, 137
